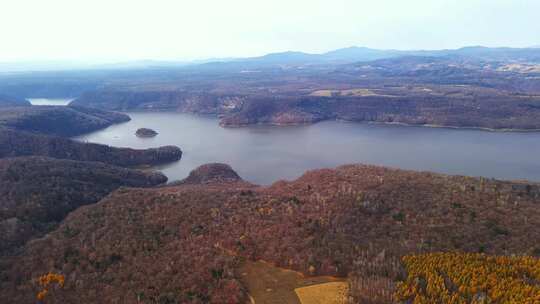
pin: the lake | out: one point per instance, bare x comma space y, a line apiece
264, 154
49, 101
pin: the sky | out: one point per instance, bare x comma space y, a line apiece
125, 30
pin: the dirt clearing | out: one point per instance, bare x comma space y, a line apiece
268, 284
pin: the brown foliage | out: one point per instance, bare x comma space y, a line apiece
19, 143
175, 243
58, 120
37, 193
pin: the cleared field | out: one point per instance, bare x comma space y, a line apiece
327, 293
351, 92
520, 68
268, 284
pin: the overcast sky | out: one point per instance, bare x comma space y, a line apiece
181, 29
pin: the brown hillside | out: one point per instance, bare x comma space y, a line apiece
182, 244
20, 143
58, 120
211, 173
37, 193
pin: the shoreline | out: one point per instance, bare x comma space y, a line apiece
219, 117
501, 130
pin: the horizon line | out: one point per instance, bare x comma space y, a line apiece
98, 61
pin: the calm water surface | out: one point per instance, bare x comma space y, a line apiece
50, 102
265, 154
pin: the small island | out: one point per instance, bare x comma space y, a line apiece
145, 132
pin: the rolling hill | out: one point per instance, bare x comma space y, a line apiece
185, 243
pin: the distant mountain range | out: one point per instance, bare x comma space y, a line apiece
344, 55
353, 54
363, 54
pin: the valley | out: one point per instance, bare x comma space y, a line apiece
270, 152
352, 176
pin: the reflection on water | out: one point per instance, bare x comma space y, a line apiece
264, 154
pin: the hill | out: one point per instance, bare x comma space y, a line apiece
211, 174
184, 243
363, 54
58, 120
41, 131
20, 143
434, 105
38, 192
429, 89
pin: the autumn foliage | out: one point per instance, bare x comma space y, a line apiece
184, 244
462, 278
47, 282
